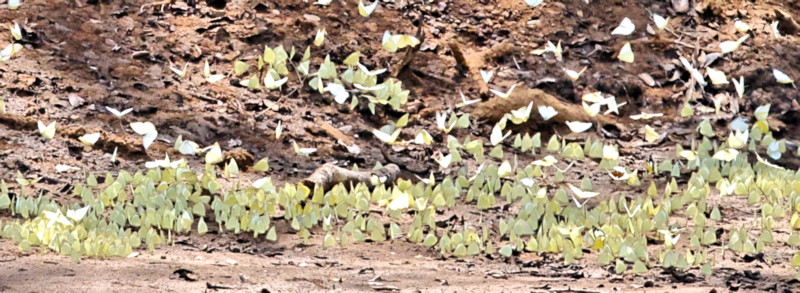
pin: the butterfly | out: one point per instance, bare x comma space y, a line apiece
117, 113
78, 214
147, 130
727, 155
782, 77
739, 85
385, 137
368, 72
209, 77
464, 101
320, 37
574, 75
278, 130
730, 46
213, 154
578, 127
625, 53
63, 168
340, 94
534, 3
9, 51
497, 135
16, 32
302, 151
89, 139
741, 26
365, 11
48, 131
716, 76
626, 27
646, 116
179, 72
271, 83
547, 112
487, 75
580, 193
506, 94
661, 23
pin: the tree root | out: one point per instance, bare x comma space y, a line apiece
474, 61
329, 175
494, 109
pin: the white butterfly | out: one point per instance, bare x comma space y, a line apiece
497, 135
741, 26
521, 115
89, 139
211, 78
782, 77
319, 38
646, 116
547, 112
698, 77
716, 76
117, 113
340, 94
487, 75
574, 75
506, 94
78, 214
271, 83
48, 131
365, 11
114, 155
577, 126
580, 193
164, 164
16, 32
63, 168
730, 46
385, 137
444, 161
188, 148
579, 204
775, 31
370, 88
660, 21
635, 211
147, 130
739, 85
370, 73
533, 3
179, 72
302, 151
668, 237
9, 51
626, 27
464, 101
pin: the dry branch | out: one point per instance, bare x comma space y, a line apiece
329, 175
494, 109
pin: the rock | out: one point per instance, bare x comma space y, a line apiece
680, 6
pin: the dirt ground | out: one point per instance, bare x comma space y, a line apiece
82, 56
